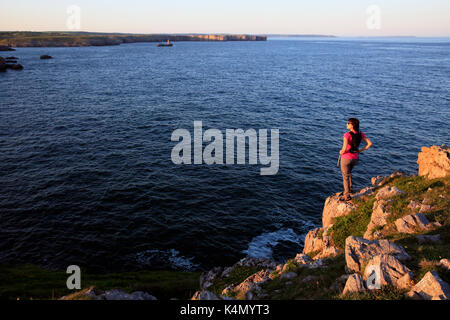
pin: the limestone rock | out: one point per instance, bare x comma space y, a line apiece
89, 293
434, 162
316, 264
226, 272
425, 208
414, 223
431, 287
388, 271
359, 251
301, 258
363, 192
327, 252
252, 281
379, 217
376, 180
334, 208
207, 278
414, 205
257, 262
313, 241
388, 192
445, 263
398, 174
354, 283
318, 241
228, 289
204, 295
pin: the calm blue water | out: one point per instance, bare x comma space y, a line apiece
86, 174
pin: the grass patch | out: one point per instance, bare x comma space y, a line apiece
426, 256
318, 288
31, 282
353, 224
385, 293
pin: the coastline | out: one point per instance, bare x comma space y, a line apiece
412, 254
84, 39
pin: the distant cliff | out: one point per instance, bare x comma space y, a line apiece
82, 39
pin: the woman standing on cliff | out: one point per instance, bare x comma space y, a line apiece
349, 154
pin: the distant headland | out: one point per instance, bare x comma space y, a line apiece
82, 39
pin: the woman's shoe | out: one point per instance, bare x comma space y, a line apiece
342, 198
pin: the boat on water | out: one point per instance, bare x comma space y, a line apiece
168, 44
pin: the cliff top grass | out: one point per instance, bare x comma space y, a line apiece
27, 282
425, 256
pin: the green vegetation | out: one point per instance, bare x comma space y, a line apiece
385, 293
309, 284
354, 224
239, 274
32, 282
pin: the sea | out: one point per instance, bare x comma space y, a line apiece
86, 174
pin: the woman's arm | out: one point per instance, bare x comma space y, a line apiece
368, 145
344, 147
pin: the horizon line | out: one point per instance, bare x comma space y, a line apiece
242, 33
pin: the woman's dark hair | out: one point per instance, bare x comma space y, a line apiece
355, 123
356, 137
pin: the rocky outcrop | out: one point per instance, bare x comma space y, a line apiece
388, 270
313, 241
301, 258
317, 241
414, 223
434, 162
420, 206
46, 57
379, 217
445, 263
257, 263
431, 287
9, 63
372, 263
354, 283
359, 251
207, 278
334, 208
388, 192
204, 295
368, 191
250, 286
377, 180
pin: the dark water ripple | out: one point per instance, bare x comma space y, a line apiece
86, 176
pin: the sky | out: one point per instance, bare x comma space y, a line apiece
332, 17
